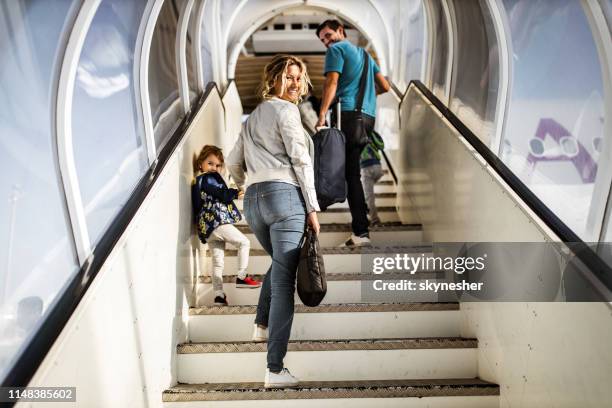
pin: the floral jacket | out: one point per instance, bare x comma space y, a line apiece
212, 204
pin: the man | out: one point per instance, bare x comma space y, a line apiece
344, 64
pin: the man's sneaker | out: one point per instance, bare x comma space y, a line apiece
355, 241
247, 283
221, 300
282, 379
260, 334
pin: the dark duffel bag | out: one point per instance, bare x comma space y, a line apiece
311, 281
329, 164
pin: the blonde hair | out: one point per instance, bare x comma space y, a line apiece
276, 69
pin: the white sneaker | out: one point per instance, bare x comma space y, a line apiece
355, 241
281, 380
260, 334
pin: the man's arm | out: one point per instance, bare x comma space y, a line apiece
382, 83
329, 93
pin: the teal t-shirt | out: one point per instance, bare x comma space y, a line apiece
345, 58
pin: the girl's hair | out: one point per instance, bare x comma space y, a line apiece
276, 70
207, 151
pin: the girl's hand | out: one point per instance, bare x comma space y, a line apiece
240, 193
313, 222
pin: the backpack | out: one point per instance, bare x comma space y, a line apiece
329, 163
375, 145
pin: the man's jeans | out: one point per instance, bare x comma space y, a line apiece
355, 196
276, 214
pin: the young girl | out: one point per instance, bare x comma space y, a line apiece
215, 213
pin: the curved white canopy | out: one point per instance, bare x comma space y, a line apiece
364, 15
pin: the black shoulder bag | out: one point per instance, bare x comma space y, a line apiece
311, 280
352, 122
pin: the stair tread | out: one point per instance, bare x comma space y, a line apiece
331, 345
345, 227
385, 183
330, 308
374, 249
333, 389
383, 208
348, 276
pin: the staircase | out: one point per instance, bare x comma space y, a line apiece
347, 353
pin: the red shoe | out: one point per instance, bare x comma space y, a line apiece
247, 283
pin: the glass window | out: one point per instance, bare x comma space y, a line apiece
37, 255
439, 44
555, 120
164, 95
206, 44
606, 6
110, 155
411, 39
476, 77
192, 68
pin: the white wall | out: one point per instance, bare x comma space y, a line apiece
233, 117
541, 354
119, 347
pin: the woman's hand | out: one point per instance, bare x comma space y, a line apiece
313, 222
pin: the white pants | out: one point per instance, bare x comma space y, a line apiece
369, 176
216, 243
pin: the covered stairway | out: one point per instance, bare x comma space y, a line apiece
374, 353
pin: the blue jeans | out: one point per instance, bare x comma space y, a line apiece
276, 214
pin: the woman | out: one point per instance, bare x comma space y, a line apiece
279, 200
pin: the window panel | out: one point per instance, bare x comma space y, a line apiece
606, 6
206, 44
164, 94
476, 77
555, 122
440, 50
192, 68
412, 35
110, 155
37, 256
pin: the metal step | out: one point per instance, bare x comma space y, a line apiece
343, 227
471, 393
338, 291
382, 200
329, 321
347, 276
336, 259
342, 215
336, 234
359, 359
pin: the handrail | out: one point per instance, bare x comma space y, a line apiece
32, 354
399, 95
591, 259
395, 89
227, 86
